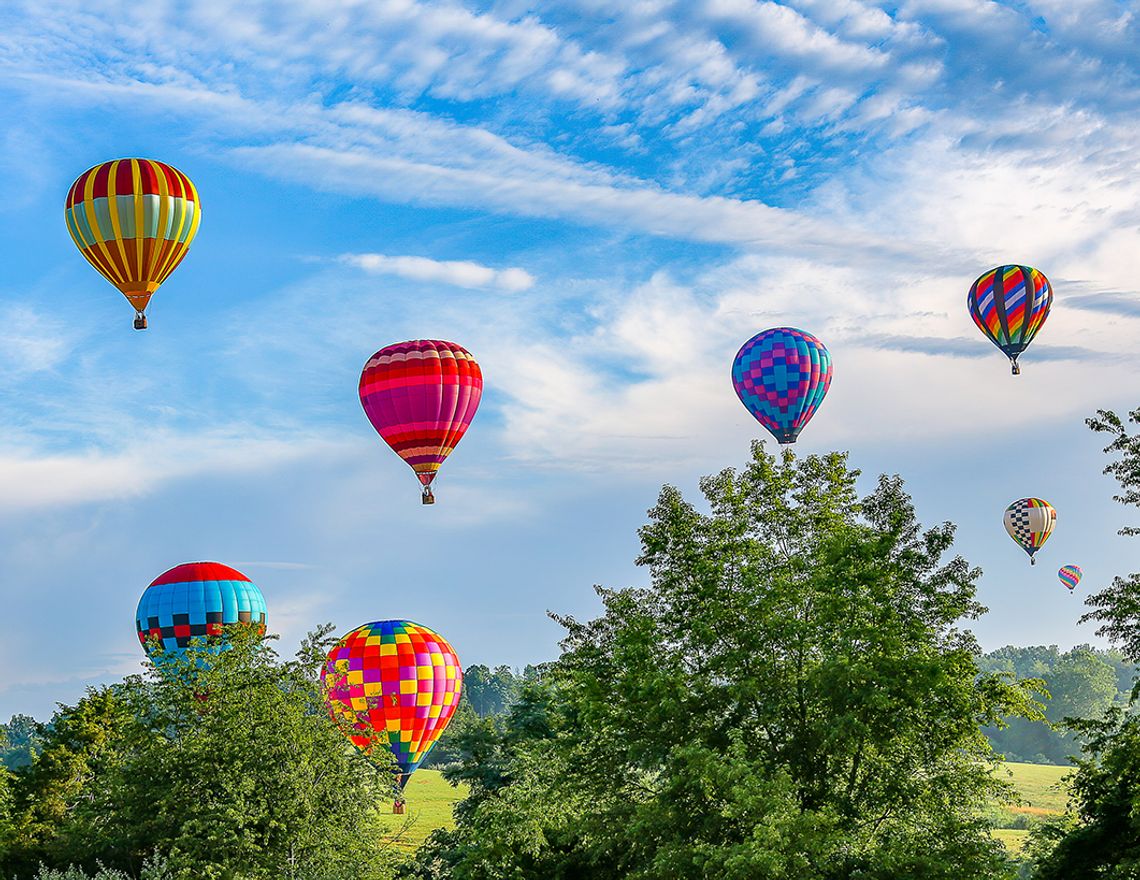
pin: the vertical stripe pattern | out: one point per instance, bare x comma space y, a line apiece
134, 220
1009, 304
1030, 522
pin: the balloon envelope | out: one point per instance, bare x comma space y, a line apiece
1009, 304
421, 396
781, 376
196, 600
398, 680
133, 219
1070, 576
1030, 522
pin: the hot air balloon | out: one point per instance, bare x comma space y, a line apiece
196, 600
420, 397
1010, 304
1030, 522
781, 376
133, 219
1070, 576
393, 682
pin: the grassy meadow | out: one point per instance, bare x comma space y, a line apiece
430, 799
1039, 787
1042, 793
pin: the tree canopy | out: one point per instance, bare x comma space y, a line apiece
1100, 838
791, 696
226, 764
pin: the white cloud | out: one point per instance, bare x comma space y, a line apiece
460, 273
34, 478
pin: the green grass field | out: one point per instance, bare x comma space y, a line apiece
430, 800
1042, 794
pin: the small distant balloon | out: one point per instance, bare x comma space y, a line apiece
1070, 576
394, 682
1030, 522
421, 396
781, 376
134, 220
1010, 304
196, 600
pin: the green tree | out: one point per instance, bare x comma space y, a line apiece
790, 698
227, 764
1081, 683
1100, 838
22, 736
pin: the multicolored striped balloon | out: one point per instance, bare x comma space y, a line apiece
1010, 304
1070, 576
781, 376
393, 682
194, 601
1030, 522
420, 397
133, 219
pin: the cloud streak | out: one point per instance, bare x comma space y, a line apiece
458, 273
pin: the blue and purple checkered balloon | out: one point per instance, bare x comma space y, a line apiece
781, 376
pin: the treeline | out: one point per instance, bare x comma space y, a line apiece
793, 697
225, 767
1083, 683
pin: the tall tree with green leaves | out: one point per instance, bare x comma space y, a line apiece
1100, 838
226, 764
790, 698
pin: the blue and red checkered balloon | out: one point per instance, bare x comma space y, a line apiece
781, 376
196, 600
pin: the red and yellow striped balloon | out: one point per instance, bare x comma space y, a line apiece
133, 219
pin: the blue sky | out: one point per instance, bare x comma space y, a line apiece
601, 202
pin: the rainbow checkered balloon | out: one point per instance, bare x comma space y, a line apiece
1009, 304
196, 600
396, 682
1070, 576
781, 376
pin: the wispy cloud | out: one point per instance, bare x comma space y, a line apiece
459, 273
34, 478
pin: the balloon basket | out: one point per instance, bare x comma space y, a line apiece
1015, 368
398, 807
140, 321
428, 497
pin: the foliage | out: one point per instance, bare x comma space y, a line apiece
20, 740
790, 698
1101, 836
1081, 683
227, 764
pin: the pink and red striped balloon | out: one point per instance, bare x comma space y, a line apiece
420, 397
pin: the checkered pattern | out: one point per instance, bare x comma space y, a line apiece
1010, 304
1070, 576
781, 376
420, 397
1030, 522
393, 678
195, 600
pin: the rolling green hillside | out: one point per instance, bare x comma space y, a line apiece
1040, 787
430, 799
1042, 792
